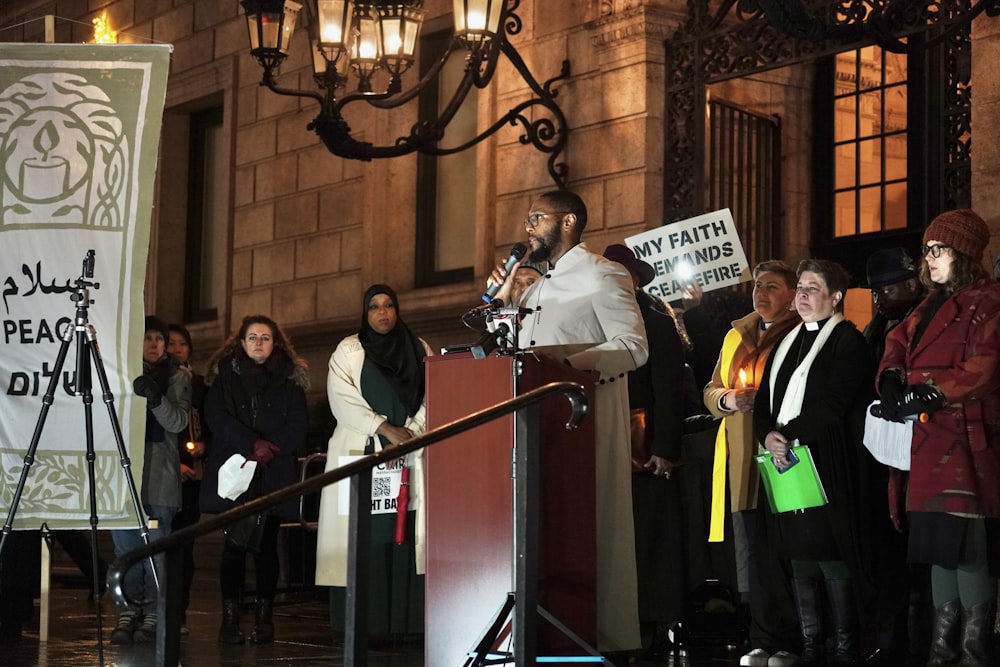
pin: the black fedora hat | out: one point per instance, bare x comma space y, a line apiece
889, 266
622, 254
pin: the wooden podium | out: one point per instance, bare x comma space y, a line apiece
469, 496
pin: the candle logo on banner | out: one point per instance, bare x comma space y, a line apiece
65, 152
705, 250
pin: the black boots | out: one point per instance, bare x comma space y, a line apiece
844, 618
977, 635
807, 601
230, 632
945, 634
263, 629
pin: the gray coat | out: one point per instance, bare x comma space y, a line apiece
161, 467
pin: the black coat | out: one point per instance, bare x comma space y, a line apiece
831, 422
278, 415
659, 383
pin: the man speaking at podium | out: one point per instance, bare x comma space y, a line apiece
584, 313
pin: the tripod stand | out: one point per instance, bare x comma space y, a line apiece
87, 352
520, 609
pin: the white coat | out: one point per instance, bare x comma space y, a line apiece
585, 312
356, 423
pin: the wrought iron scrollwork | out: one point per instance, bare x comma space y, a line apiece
548, 133
745, 36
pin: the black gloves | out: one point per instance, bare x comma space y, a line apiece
144, 385
890, 389
921, 398
899, 402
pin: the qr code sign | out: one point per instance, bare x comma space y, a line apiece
381, 487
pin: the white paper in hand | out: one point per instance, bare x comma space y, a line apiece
235, 475
889, 442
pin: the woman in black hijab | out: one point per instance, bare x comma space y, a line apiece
375, 385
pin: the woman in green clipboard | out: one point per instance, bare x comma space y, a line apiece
814, 392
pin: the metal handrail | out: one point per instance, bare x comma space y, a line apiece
573, 392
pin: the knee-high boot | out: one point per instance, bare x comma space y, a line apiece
945, 635
230, 632
977, 635
263, 628
807, 601
844, 618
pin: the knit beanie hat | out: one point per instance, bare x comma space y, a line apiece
963, 230
154, 323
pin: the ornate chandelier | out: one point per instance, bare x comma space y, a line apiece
365, 37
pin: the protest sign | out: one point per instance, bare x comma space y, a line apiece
705, 250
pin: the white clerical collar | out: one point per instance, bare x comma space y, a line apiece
812, 326
765, 325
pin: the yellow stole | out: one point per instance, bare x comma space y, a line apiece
716, 526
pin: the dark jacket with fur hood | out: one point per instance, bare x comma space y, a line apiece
247, 402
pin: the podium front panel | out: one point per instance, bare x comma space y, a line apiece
469, 496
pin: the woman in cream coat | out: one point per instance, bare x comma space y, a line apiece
375, 386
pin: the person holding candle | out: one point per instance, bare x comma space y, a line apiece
762, 572
192, 445
166, 387
814, 392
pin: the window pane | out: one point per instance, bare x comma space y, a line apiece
895, 157
895, 206
845, 166
871, 210
846, 119
870, 161
845, 221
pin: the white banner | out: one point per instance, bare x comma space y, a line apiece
705, 250
79, 134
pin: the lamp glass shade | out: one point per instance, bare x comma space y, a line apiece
335, 18
399, 28
477, 20
365, 49
271, 25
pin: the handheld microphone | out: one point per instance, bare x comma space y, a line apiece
516, 255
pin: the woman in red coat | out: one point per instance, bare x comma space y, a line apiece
943, 360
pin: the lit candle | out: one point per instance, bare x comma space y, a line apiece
743, 379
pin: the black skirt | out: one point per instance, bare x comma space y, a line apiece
938, 538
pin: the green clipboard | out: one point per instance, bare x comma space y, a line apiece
797, 488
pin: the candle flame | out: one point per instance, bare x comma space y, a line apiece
190, 446
743, 377
103, 34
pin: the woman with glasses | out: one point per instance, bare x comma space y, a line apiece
940, 369
814, 392
256, 407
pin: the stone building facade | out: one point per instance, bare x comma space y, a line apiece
300, 233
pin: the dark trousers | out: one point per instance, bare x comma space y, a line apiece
188, 515
773, 617
20, 569
232, 569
